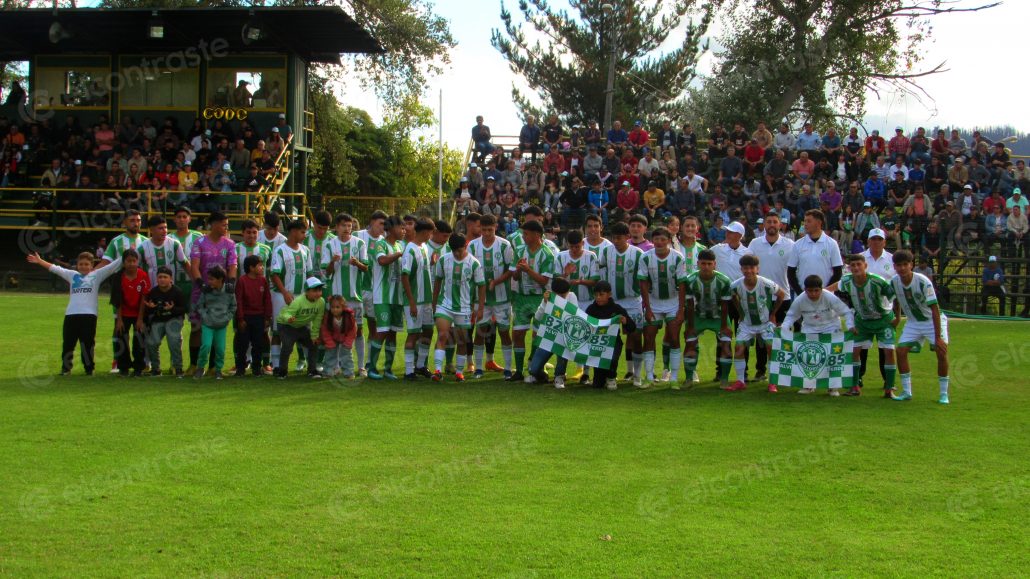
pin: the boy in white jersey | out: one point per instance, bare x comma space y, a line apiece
534, 268
372, 233
345, 262
496, 256
662, 274
593, 242
270, 234
437, 247
291, 266
417, 285
915, 297
80, 317
758, 299
619, 265
820, 312
385, 255
160, 250
579, 267
458, 276
184, 279
318, 239
689, 247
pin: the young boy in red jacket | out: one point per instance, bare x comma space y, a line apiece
253, 315
127, 292
337, 336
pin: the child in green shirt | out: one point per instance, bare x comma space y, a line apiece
300, 323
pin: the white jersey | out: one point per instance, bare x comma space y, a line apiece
821, 316
458, 280
584, 268
882, 266
274, 242
85, 289
620, 270
187, 242
773, 258
916, 298
727, 259
366, 277
345, 280
690, 256
496, 261
318, 248
756, 303
664, 274
415, 264
596, 249
170, 254
815, 258
293, 266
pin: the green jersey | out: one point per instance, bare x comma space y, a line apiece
620, 270
459, 280
293, 266
916, 298
346, 278
690, 256
386, 279
708, 294
415, 265
874, 300
187, 242
119, 244
365, 282
664, 274
317, 248
541, 261
496, 261
757, 302
583, 267
596, 249
243, 252
169, 254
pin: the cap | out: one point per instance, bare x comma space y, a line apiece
639, 123
188, 163
564, 173
877, 232
876, 132
226, 167
275, 129
968, 186
992, 258
472, 165
652, 183
313, 283
464, 179
78, 161
244, 82
1017, 191
867, 204
625, 183
898, 129
760, 221
952, 203
491, 178
207, 132
282, 115
735, 227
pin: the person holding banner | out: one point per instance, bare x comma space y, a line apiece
820, 313
534, 267
662, 275
456, 274
537, 375
872, 299
924, 321
758, 299
604, 308
708, 296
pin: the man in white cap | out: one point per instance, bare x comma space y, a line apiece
727, 262
284, 129
880, 262
994, 285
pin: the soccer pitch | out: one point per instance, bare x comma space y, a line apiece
157, 476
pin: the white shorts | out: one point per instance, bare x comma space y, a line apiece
358, 308
278, 303
367, 306
499, 314
915, 332
424, 318
457, 320
664, 310
747, 332
635, 308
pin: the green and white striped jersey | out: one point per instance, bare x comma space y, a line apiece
586, 268
620, 270
916, 298
596, 249
708, 294
756, 303
318, 248
346, 278
366, 277
542, 262
187, 242
664, 274
120, 243
872, 301
276, 240
169, 254
496, 261
292, 266
415, 264
243, 252
690, 256
437, 250
386, 279
459, 280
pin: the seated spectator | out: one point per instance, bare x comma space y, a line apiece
654, 201
803, 167
1017, 226
957, 145
627, 199
481, 138
716, 233
754, 158
592, 137
731, 169
898, 191
831, 197
617, 135
875, 147
639, 138
1016, 200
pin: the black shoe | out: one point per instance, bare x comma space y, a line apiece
424, 372
155, 372
137, 373
179, 373
257, 373
240, 373
517, 377
541, 378
279, 374
411, 377
89, 372
123, 374
584, 379
628, 376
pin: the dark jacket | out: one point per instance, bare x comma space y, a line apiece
611, 310
174, 296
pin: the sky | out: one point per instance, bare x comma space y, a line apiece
985, 85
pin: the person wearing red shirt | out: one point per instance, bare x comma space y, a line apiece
754, 155
628, 199
127, 293
629, 173
628, 158
874, 146
940, 148
554, 160
253, 316
899, 145
638, 137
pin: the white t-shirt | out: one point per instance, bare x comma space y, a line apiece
883, 267
772, 259
815, 258
727, 259
821, 316
85, 289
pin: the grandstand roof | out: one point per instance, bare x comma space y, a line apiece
315, 33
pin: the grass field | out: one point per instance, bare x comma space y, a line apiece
116, 477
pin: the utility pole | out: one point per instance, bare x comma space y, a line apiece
609, 94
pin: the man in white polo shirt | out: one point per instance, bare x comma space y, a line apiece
727, 261
773, 251
814, 254
881, 262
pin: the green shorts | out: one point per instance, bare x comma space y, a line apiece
389, 317
525, 308
880, 330
702, 325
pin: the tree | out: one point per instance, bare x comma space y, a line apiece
565, 59
816, 60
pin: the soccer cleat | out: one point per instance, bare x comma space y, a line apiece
198, 374
424, 372
738, 386
437, 376
943, 399
411, 377
854, 391
725, 385
559, 382
280, 375
531, 379
645, 385
835, 392
628, 375
806, 391
458, 376
154, 373
268, 370
666, 376
302, 365
888, 393
772, 388
389, 375
179, 373
373, 375
903, 397
611, 384
695, 378
240, 373
493, 366
507, 375
477, 374
363, 373
232, 370
518, 377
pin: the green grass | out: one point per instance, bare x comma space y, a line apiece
117, 477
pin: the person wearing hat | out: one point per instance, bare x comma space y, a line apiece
899, 145
241, 96
1016, 200
866, 221
284, 129
639, 138
298, 323
994, 285
958, 175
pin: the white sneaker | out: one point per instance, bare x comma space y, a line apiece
806, 391
530, 379
835, 392
301, 366
363, 373
611, 384
637, 381
645, 385
666, 375
559, 382
695, 378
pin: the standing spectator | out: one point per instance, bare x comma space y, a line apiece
481, 139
